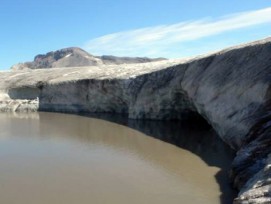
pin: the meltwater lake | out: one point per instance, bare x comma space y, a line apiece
53, 158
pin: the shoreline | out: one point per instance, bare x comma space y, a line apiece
230, 89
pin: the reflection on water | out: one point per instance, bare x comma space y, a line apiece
60, 158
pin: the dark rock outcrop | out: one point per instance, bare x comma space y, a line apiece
230, 89
76, 57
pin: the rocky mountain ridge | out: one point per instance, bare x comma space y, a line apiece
77, 57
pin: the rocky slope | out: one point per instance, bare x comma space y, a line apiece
76, 57
230, 89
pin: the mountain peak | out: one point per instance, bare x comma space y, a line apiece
76, 57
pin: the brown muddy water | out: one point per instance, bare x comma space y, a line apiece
52, 158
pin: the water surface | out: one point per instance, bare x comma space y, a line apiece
51, 158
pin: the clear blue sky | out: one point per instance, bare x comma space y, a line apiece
141, 27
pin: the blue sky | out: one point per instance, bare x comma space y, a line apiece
154, 28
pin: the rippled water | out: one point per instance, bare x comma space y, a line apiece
51, 158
